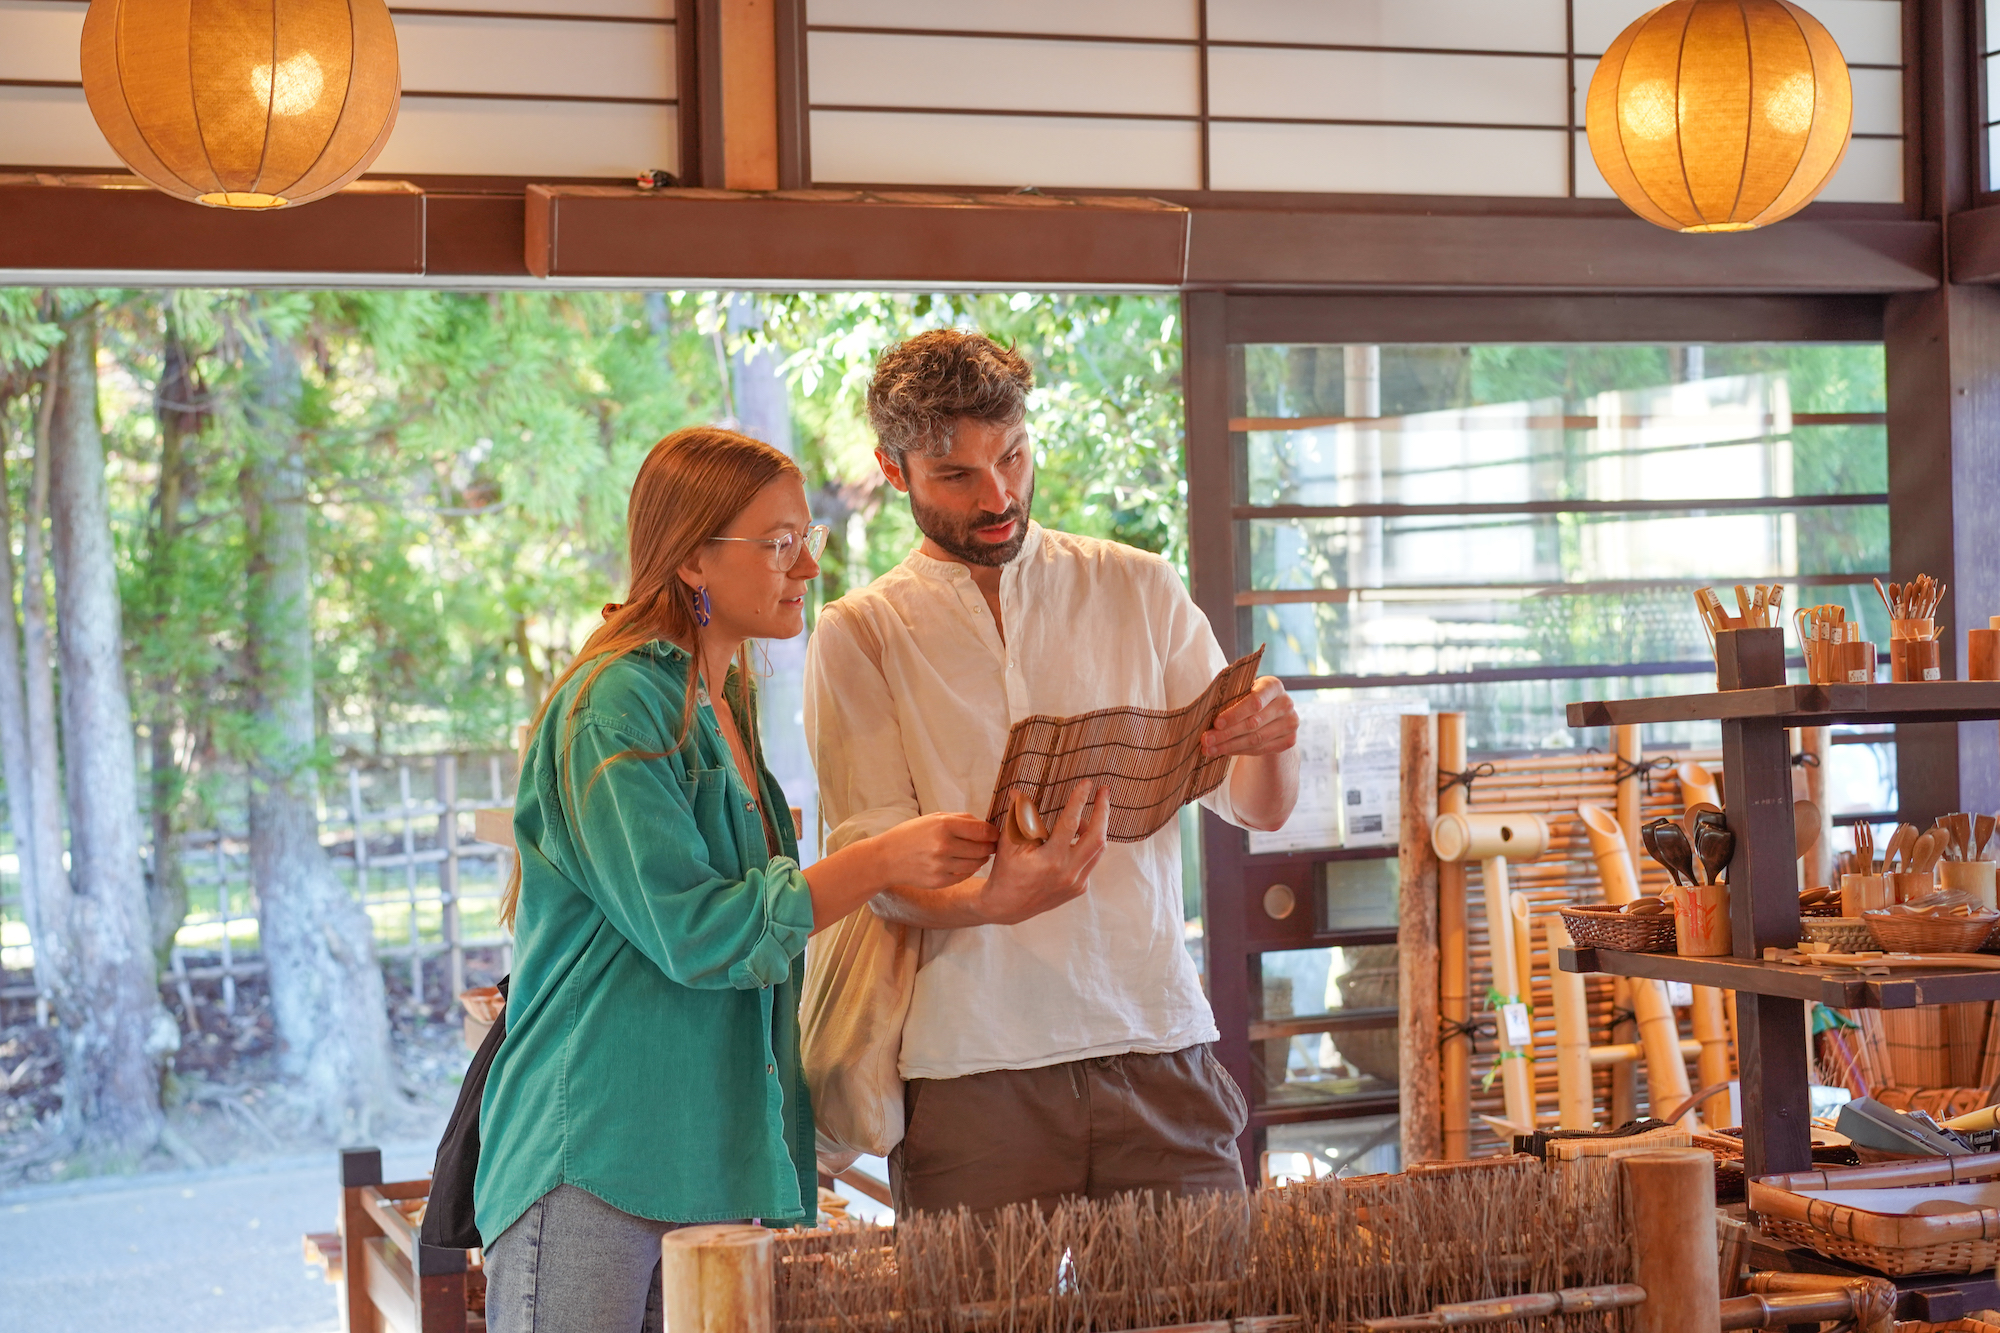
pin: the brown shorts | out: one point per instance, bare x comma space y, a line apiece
1086, 1129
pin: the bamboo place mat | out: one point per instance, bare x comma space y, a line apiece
1150, 758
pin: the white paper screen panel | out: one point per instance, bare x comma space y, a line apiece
1387, 159
1176, 19
851, 69
476, 89
547, 57
497, 137
1479, 25
906, 147
1386, 85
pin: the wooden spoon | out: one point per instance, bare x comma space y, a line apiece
1716, 845
1805, 826
1027, 819
1982, 832
1691, 817
1898, 850
1674, 851
1924, 846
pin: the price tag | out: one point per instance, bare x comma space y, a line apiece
1680, 993
1515, 1017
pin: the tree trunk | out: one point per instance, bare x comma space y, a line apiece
319, 946
14, 765
41, 794
114, 1039
179, 417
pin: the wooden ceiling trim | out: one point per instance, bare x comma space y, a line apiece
841, 238
119, 224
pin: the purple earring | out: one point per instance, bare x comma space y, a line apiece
703, 612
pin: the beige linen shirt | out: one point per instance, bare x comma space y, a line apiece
910, 692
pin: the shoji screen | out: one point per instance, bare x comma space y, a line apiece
1411, 97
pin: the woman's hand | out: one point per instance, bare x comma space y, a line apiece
932, 851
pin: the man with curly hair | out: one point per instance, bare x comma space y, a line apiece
1058, 1041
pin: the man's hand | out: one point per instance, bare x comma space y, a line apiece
1264, 721
1028, 878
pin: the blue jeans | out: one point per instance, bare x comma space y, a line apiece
574, 1264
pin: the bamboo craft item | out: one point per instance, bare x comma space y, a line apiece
717, 1279
1417, 971
1493, 840
1454, 959
1552, 785
1669, 1202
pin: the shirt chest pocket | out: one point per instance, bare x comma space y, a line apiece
714, 805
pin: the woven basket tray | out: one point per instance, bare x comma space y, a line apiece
1845, 933
1608, 928
1791, 1209
1937, 934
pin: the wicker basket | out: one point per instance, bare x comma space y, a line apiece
1844, 934
1370, 984
1609, 928
1792, 1210
1930, 934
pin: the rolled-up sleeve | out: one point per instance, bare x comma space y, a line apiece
865, 786
644, 863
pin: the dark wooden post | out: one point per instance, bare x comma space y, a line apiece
1943, 359
1417, 1010
1764, 908
359, 1169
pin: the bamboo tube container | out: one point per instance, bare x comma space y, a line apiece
1659, 1033
1573, 1054
1669, 1205
1818, 863
1454, 962
1697, 786
717, 1279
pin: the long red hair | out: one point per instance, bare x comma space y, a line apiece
691, 486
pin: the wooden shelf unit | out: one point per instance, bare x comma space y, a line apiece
1756, 708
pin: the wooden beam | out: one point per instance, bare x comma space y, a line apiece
1251, 248
118, 223
836, 238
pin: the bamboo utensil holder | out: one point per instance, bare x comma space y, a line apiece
1914, 660
1975, 877
1910, 885
1982, 651
1701, 921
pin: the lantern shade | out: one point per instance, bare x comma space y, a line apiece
243, 103
1720, 115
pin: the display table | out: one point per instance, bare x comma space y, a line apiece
1756, 709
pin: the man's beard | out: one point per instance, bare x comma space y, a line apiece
955, 536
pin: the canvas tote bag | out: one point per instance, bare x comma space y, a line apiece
860, 975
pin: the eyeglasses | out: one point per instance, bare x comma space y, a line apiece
785, 550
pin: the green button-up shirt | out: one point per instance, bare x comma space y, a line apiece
652, 1049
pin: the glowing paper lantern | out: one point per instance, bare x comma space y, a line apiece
1720, 115
243, 103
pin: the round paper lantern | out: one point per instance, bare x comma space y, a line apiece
1720, 115
243, 103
